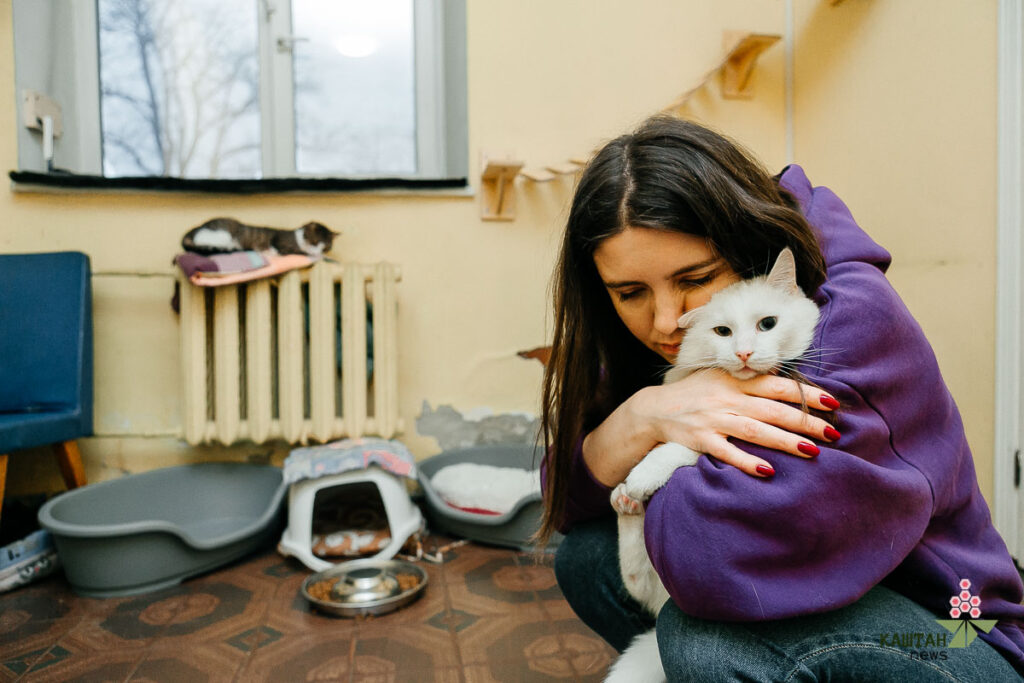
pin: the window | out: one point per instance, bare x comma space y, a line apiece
179, 88
248, 89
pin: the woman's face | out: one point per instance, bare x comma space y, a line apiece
654, 276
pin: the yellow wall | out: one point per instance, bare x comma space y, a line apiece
876, 118
896, 110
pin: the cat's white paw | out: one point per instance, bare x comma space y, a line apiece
623, 503
641, 488
654, 471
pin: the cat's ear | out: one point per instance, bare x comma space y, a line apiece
687, 319
320, 226
783, 273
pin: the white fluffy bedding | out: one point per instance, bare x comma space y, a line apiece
484, 487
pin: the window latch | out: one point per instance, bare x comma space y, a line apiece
287, 43
268, 10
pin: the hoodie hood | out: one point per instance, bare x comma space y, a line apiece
841, 238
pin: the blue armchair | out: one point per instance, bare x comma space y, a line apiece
45, 357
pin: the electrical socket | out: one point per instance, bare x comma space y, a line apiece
35, 106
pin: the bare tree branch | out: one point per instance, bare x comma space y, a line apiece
191, 80
130, 150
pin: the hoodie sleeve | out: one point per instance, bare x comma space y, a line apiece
821, 532
588, 498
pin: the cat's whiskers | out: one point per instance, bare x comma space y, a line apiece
699, 363
824, 353
814, 362
813, 355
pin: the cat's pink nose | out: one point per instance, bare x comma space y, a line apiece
744, 355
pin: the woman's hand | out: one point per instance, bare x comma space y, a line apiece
700, 412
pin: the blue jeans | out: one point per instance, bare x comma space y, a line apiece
843, 645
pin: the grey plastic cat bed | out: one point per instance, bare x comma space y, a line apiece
151, 530
511, 529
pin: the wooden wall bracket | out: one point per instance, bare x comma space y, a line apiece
497, 189
742, 51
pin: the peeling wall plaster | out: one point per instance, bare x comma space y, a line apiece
476, 427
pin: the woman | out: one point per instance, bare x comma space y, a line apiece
784, 558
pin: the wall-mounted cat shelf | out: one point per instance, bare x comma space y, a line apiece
552, 171
497, 183
741, 50
537, 175
497, 188
567, 168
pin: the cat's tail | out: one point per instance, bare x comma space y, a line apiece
188, 245
640, 663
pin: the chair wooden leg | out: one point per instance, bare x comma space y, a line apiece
70, 462
3, 479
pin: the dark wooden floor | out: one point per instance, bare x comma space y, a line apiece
487, 614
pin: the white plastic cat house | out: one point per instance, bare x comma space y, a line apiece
336, 471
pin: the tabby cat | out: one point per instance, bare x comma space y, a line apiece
220, 235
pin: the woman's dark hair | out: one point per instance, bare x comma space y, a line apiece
671, 175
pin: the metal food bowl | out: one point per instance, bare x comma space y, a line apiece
363, 587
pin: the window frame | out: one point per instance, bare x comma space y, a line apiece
442, 155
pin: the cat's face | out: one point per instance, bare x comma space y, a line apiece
317, 237
752, 327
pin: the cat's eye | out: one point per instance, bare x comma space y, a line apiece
722, 331
765, 324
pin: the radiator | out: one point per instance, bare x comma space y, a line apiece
289, 358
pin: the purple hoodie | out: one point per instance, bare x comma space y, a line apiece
896, 500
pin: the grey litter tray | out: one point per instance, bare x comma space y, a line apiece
150, 530
512, 529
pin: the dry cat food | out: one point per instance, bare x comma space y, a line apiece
321, 590
407, 581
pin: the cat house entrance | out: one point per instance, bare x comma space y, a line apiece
357, 513
349, 521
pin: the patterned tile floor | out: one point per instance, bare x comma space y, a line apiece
487, 614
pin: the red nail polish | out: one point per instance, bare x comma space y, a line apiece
807, 448
765, 470
831, 434
829, 402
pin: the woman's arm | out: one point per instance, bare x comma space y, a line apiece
701, 412
813, 538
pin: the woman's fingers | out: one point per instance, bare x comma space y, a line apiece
716, 444
709, 406
725, 452
788, 390
789, 418
763, 434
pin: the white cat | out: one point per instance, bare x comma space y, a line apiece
750, 328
